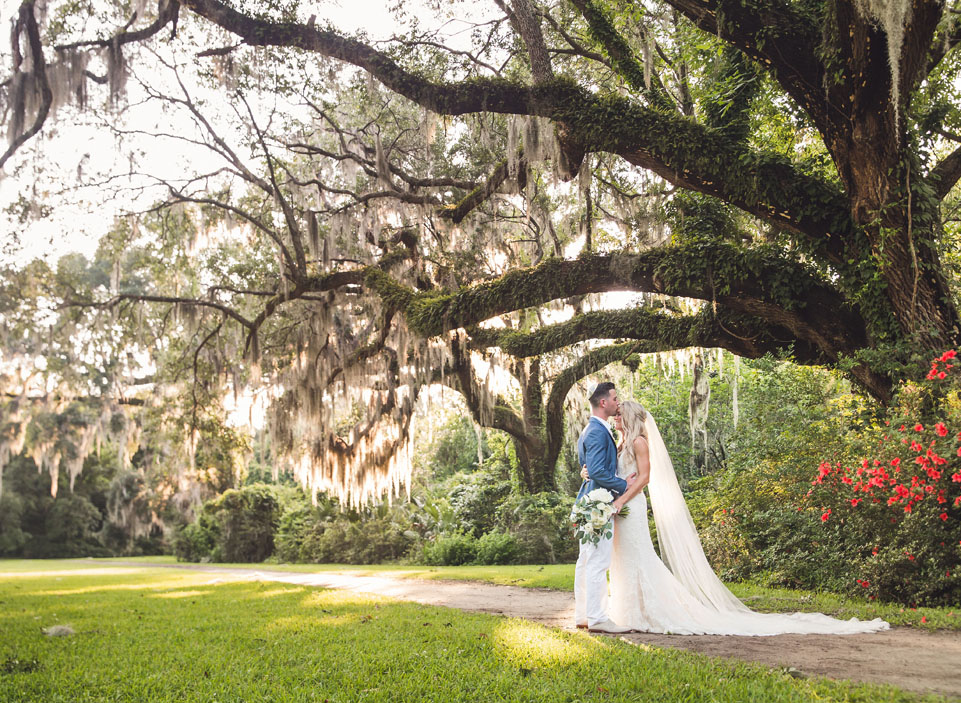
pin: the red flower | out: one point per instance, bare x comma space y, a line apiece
944, 517
910, 556
847, 480
924, 618
919, 427
825, 516
941, 429
956, 477
949, 354
941, 375
895, 461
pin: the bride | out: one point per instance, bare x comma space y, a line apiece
679, 593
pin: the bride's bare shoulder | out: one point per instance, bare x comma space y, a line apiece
640, 443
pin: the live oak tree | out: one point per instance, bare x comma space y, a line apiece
431, 209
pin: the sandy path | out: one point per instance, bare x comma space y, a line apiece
910, 659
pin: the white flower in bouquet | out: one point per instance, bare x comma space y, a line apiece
600, 495
592, 514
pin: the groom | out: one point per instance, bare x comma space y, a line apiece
597, 450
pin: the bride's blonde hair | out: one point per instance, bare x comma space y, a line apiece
633, 416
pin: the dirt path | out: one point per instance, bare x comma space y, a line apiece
910, 659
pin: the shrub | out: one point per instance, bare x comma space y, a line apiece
497, 548
196, 541
237, 526
541, 525
475, 498
293, 529
450, 550
837, 494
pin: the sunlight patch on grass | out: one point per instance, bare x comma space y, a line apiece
88, 571
533, 646
165, 585
179, 594
278, 592
299, 624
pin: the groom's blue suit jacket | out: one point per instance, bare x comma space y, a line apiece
596, 448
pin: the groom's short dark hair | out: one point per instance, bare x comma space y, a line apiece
600, 393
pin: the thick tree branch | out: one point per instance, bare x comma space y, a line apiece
946, 174
757, 282
774, 33
27, 23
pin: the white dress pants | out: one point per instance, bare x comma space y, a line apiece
590, 582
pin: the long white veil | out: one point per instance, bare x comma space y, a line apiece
677, 537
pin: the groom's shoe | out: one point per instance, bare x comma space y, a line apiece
582, 626
608, 627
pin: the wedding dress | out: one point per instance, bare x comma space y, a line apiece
682, 595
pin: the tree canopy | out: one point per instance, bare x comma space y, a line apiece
770, 176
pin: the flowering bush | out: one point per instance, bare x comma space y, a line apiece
895, 514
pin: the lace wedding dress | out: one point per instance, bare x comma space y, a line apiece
687, 598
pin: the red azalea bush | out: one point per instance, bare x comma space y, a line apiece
896, 514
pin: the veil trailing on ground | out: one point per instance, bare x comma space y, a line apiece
678, 592
680, 545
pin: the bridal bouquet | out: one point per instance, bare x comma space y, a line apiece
592, 514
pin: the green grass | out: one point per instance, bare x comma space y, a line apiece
150, 634
561, 577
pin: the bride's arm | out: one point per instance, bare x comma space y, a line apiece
642, 457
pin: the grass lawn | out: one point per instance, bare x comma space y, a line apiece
561, 577
151, 634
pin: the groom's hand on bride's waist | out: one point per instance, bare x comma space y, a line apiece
631, 479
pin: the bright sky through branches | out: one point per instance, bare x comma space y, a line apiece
79, 146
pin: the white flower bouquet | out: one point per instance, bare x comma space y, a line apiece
592, 515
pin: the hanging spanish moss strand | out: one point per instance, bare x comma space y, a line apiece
892, 16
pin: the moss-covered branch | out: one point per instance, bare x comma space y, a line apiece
622, 57
659, 330
458, 211
680, 150
758, 282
